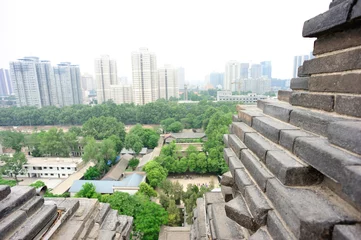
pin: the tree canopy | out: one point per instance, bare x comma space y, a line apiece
103, 127
13, 165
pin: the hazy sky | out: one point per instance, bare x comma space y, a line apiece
199, 35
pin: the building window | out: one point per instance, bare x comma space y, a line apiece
62, 167
51, 174
68, 167
51, 167
45, 167
63, 174
46, 174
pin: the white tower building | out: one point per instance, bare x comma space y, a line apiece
105, 75
232, 74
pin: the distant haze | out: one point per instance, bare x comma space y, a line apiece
199, 35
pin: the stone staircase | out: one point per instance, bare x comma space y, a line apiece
25, 215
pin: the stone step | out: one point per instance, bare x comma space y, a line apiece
89, 224
35, 224
32, 205
236, 144
310, 212
261, 234
201, 219
346, 135
271, 128
333, 162
346, 232
227, 179
4, 191
277, 228
11, 223
110, 222
18, 196
227, 153
247, 116
227, 193
240, 129
104, 209
238, 211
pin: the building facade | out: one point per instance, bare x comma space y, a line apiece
297, 62
122, 93
180, 73
266, 69
145, 79
217, 80
168, 82
232, 75
256, 85
244, 70
256, 71
251, 98
105, 76
5, 83
88, 82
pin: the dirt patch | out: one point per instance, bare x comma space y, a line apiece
194, 179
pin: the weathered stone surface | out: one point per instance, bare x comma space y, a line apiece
247, 116
236, 144
238, 211
240, 129
284, 95
242, 180
338, 40
327, 21
213, 197
356, 10
33, 205
235, 118
301, 73
225, 228
346, 135
111, 221
353, 183
339, 62
9, 224
325, 158
271, 128
201, 218
348, 105
310, 100
313, 121
225, 139
4, 191
288, 137
336, 2
256, 169
261, 234
309, 213
18, 196
36, 223
257, 204
227, 153
299, 83
346, 232
106, 234
290, 171
104, 209
227, 193
279, 111
86, 208
339, 83
259, 145
276, 228
234, 163
262, 103
227, 179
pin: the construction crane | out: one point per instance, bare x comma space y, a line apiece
239, 83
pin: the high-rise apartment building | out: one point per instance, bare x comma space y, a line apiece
25, 82
105, 76
181, 77
297, 62
244, 70
122, 93
266, 69
5, 83
256, 71
216, 79
232, 75
145, 79
168, 82
88, 82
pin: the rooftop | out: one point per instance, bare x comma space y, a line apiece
52, 161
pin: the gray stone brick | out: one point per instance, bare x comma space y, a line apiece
4, 191
325, 158
312, 121
284, 95
288, 137
225, 140
276, 228
259, 145
9, 224
256, 169
33, 205
270, 128
353, 183
247, 116
346, 232
346, 135
348, 105
236, 144
299, 83
257, 204
237, 210
290, 171
235, 118
234, 163
227, 153
201, 218
279, 111
339, 62
327, 21
240, 129
213, 197
261, 234
310, 100
339, 83
104, 209
299, 207
242, 180
227, 179
227, 193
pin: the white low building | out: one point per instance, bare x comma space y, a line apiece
48, 167
251, 98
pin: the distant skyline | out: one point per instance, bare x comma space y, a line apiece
201, 36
